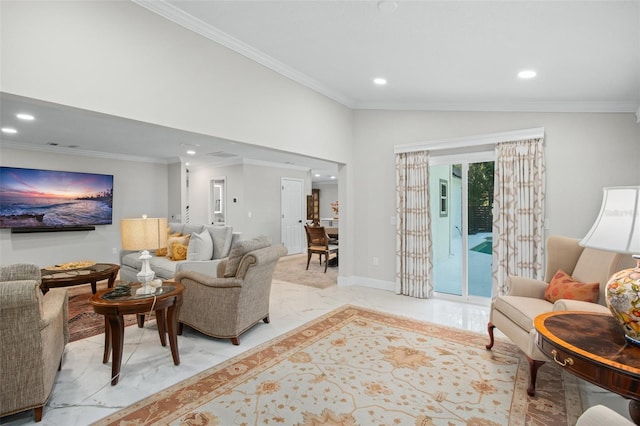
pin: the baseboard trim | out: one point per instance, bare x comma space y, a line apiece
367, 282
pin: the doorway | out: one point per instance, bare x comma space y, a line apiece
461, 223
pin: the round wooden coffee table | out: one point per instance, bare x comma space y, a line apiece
90, 274
166, 305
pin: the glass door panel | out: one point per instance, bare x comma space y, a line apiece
479, 229
461, 226
446, 228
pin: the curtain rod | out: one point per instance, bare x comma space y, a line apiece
468, 141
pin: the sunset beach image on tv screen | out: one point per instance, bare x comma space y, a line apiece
33, 198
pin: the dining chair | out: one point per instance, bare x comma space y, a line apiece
318, 242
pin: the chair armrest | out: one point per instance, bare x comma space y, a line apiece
206, 267
526, 287
222, 265
208, 280
54, 305
20, 272
579, 305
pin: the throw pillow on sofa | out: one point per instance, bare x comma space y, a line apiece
179, 251
182, 240
200, 246
563, 286
239, 249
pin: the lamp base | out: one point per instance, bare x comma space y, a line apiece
623, 299
146, 289
631, 340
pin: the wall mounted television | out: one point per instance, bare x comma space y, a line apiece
34, 200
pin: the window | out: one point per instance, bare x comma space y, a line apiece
444, 198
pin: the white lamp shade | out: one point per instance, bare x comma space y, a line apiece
143, 233
617, 227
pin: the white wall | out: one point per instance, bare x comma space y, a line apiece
256, 189
328, 195
138, 188
584, 153
118, 58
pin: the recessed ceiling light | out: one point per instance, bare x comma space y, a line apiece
191, 152
387, 6
317, 175
10, 130
527, 74
26, 117
333, 177
380, 81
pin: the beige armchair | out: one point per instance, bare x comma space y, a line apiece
229, 304
513, 313
33, 334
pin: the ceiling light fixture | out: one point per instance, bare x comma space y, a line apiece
9, 130
527, 74
380, 81
387, 6
191, 152
26, 117
317, 175
333, 177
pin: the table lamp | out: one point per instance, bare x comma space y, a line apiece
617, 229
144, 234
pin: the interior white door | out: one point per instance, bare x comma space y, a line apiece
292, 214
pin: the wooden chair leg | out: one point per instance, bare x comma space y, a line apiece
37, 413
490, 328
533, 373
180, 328
308, 259
326, 262
235, 341
266, 319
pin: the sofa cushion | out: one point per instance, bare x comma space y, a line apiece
221, 237
132, 260
200, 246
562, 286
239, 249
521, 310
175, 228
163, 267
189, 228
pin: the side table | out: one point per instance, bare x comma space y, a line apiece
592, 346
90, 274
166, 305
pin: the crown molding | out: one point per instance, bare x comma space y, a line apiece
172, 13
80, 152
594, 107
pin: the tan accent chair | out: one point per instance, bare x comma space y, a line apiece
318, 243
513, 313
33, 334
226, 307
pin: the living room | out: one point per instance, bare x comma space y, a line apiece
120, 59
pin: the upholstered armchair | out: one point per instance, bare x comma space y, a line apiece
229, 304
33, 334
513, 313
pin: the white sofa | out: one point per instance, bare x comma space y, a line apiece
165, 268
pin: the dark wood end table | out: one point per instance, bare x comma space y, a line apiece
592, 346
90, 274
166, 305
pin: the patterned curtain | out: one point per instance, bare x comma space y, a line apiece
413, 239
518, 212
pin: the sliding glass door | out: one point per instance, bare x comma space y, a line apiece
461, 221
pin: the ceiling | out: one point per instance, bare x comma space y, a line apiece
444, 55
435, 55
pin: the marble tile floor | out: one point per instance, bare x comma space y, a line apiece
83, 394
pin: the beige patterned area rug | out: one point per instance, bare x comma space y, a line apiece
355, 366
293, 269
